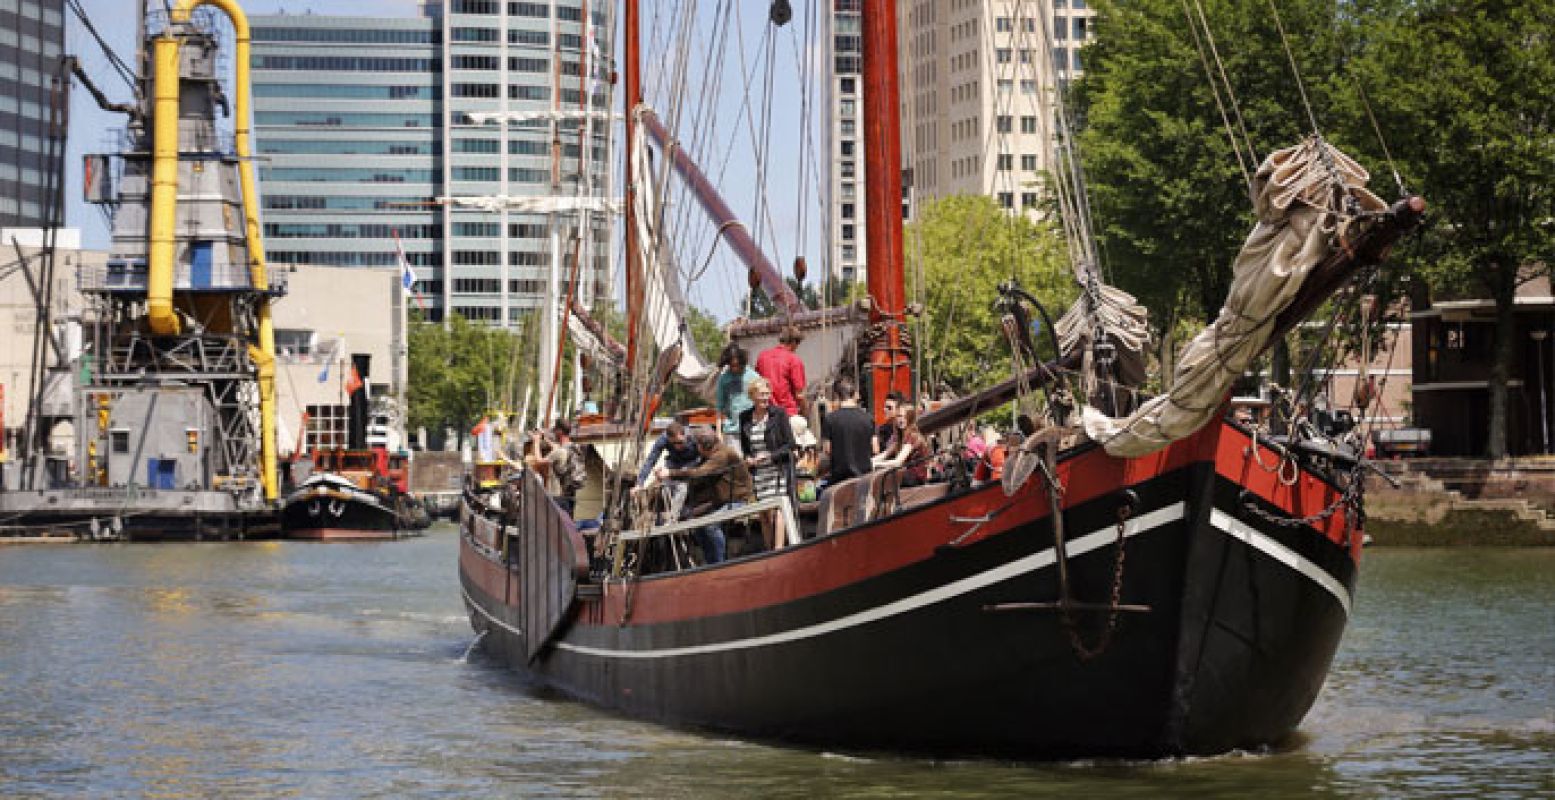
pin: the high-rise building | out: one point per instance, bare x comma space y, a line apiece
32, 35
978, 89
346, 113
451, 131
845, 126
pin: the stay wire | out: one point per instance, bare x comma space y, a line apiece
1295, 70
118, 64
1214, 85
1225, 80
1381, 140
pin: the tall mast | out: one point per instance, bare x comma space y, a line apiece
634, 97
890, 364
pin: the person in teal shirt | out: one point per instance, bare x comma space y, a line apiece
737, 374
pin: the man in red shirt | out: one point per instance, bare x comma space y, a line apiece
784, 371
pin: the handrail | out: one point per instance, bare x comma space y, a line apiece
780, 503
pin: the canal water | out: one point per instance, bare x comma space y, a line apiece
308, 670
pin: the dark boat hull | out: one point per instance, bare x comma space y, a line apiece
328, 513
815, 645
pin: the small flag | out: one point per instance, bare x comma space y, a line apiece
324, 373
407, 275
353, 381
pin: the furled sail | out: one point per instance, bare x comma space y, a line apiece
1119, 318
664, 304
592, 338
1305, 197
534, 205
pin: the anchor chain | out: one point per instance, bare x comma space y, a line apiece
1350, 499
1076, 641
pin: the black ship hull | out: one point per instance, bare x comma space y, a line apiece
950, 650
328, 508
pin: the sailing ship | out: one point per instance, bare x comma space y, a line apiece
1149, 578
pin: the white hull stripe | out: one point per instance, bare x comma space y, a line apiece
999, 574
1279, 552
487, 614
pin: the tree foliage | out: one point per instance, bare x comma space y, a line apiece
459, 372
761, 306
1170, 200
1464, 91
959, 249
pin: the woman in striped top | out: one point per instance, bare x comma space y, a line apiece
768, 443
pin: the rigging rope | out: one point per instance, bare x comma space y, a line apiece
1236, 147
1220, 65
1295, 71
1381, 140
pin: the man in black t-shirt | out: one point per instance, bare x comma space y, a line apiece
847, 434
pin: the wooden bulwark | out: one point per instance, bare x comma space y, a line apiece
551, 560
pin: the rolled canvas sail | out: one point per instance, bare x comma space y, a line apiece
1300, 216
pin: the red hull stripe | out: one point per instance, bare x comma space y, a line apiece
820, 566
1306, 496
1103, 537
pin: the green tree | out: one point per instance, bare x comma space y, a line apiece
459, 372
1170, 201
1464, 92
961, 248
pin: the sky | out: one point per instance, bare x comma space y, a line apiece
724, 136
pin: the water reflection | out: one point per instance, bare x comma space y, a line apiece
299, 670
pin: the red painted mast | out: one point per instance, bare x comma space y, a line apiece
634, 98
890, 364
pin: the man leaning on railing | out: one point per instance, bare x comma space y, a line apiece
720, 482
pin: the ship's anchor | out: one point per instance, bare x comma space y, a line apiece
313, 509
336, 508
1066, 605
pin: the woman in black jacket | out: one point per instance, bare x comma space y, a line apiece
768, 443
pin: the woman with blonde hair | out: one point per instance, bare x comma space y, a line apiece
768, 443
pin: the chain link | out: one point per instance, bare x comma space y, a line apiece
1350, 498
1076, 641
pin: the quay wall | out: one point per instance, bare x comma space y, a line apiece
1460, 501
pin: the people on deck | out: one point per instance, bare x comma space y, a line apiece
909, 448
733, 380
847, 434
679, 452
807, 459
564, 466
784, 371
767, 440
886, 431
675, 446
991, 466
721, 481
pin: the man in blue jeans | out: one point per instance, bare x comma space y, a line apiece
720, 482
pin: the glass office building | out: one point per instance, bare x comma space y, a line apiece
438, 129
32, 34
